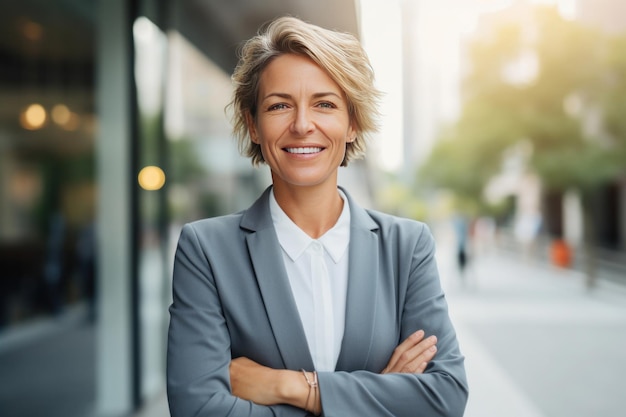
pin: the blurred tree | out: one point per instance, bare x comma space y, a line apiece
546, 85
561, 103
469, 153
614, 101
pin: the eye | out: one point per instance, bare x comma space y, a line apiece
326, 105
277, 106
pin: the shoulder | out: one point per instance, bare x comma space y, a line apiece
392, 231
213, 228
401, 231
216, 223
389, 223
232, 227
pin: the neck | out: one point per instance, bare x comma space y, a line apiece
315, 210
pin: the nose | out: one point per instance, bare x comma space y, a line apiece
303, 123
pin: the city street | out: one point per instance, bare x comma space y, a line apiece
537, 344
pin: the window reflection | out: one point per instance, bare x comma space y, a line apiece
47, 181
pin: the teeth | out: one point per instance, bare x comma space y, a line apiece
303, 150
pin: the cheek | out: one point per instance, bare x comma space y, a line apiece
267, 130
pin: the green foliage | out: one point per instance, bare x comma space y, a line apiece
468, 154
571, 167
580, 73
614, 102
570, 57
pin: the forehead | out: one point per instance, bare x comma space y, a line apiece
296, 71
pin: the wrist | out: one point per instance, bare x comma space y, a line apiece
312, 403
292, 388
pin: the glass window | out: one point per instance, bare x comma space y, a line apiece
47, 183
47, 206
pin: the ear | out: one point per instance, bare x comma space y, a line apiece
351, 135
252, 128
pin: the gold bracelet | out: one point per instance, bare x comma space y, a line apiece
312, 389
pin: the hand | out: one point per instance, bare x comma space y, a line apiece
412, 355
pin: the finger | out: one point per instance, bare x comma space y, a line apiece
419, 364
403, 347
421, 367
407, 344
409, 360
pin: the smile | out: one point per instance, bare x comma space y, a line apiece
303, 150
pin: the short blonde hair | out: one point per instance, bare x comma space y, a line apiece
339, 54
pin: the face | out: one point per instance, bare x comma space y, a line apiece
302, 122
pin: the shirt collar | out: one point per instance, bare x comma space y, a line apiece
295, 241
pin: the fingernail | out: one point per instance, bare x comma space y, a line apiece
433, 348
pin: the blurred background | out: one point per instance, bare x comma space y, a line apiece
503, 128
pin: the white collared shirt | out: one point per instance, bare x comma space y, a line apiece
321, 303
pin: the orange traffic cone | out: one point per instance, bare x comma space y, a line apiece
561, 253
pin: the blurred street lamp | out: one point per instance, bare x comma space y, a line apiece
151, 178
33, 117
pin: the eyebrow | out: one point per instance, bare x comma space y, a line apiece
289, 96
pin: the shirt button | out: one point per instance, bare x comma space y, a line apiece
317, 247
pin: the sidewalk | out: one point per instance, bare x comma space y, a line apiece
47, 367
537, 344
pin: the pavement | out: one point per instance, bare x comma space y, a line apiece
537, 344
47, 367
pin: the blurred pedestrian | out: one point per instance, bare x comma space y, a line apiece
306, 301
461, 233
53, 267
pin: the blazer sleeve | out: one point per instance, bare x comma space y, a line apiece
199, 349
441, 390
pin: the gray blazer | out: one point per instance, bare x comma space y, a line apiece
232, 298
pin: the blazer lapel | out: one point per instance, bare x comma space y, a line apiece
274, 286
362, 289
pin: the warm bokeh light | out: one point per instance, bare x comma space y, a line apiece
32, 31
61, 114
151, 178
34, 117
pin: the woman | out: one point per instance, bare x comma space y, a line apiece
307, 303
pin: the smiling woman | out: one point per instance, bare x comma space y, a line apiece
302, 123
306, 302
353, 78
